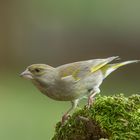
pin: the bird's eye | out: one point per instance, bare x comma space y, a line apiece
37, 70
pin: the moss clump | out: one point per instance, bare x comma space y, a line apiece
111, 117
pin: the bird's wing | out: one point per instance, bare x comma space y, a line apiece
78, 70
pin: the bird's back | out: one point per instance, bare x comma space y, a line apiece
80, 69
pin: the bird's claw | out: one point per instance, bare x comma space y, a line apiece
90, 102
65, 118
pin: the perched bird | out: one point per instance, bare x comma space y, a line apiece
73, 81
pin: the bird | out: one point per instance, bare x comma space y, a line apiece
72, 81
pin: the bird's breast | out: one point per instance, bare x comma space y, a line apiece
61, 91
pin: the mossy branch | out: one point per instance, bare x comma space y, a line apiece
111, 117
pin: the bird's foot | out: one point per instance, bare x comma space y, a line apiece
91, 99
90, 102
65, 117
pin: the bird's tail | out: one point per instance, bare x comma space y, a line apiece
109, 68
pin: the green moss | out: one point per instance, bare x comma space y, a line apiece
111, 117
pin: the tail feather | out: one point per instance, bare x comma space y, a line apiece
109, 68
117, 65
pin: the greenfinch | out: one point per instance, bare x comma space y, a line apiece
73, 81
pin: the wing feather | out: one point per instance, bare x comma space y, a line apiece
79, 70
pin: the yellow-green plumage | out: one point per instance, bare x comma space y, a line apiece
107, 69
71, 82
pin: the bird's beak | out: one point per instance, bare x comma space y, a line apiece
26, 74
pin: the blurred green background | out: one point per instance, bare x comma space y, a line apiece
57, 32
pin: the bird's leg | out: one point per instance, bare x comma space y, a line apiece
91, 97
74, 104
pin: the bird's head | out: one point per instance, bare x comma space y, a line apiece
36, 70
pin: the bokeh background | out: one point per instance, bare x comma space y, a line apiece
57, 32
